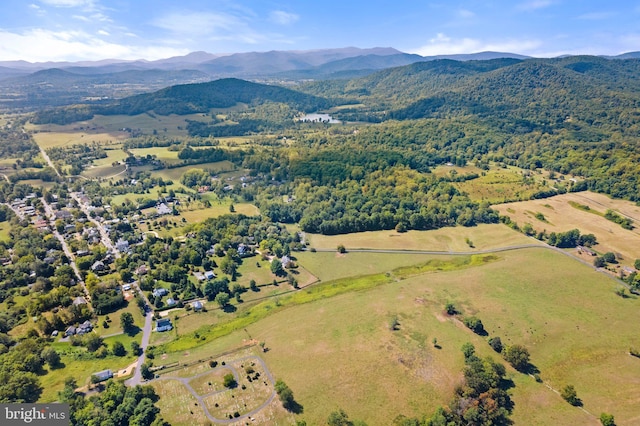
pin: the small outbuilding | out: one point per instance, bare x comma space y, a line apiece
102, 376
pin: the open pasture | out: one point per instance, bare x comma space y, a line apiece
61, 137
105, 171
500, 185
562, 216
176, 173
482, 237
4, 231
160, 153
198, 215
148, 123
339, 352
452, 170
52, 380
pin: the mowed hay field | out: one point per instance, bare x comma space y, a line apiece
482, 236
63, 137
338, 352
561, 216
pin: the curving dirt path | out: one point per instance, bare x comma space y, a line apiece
200, 398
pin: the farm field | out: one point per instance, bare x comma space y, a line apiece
561, 216
176, 173
105, 171
160, 153
167, 125
63, 137
483, 237
500, 185
578, 332
582, 341
198, 215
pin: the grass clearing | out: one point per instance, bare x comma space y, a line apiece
500, 185
253, 313
79, 369
62, 137
5, 227
196, 216
253, 391
176, 173
336, 350
483, 237
349, 333
177, 405
160, 153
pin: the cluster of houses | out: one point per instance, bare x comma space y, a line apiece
207, 275
23, 206
83, 328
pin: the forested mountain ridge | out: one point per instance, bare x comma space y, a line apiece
191, 98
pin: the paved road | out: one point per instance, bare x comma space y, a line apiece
146, 335
108, 243
200, 398
104, 235
48, 160
65, 248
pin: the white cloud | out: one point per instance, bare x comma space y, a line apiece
41, 45
444, 45
282, 17
103, 32
211, 25
464, 13
67, 3
535, 4
597, 16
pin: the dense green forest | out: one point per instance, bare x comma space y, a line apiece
574, 116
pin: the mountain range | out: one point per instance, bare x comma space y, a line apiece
35, 85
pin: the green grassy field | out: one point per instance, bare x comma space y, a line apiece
176, 173
502, 184
165, 125
339, 352
161, 153
66, 136
105, 171
81, 370
483, 237
4, 231
114, 325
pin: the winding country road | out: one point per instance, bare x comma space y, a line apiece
108, 243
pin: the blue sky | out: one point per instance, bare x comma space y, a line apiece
58, 30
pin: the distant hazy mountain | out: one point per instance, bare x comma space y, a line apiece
6, 72
274, 62
55, 86
188, 99
628, 55
480, 56
73, 82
